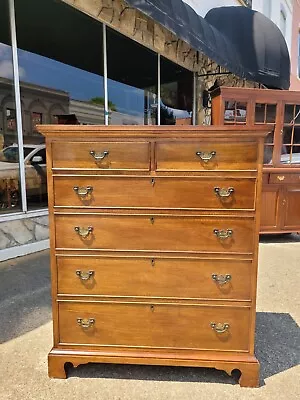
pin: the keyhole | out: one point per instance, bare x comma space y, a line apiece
152, 220
152, 262
152, 181
152, 307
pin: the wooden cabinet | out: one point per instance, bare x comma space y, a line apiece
154, 245
280, 110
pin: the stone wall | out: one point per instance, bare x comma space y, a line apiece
23, 231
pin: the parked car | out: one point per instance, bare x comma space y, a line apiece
35, 172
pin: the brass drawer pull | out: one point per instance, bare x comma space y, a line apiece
86, 323
85, 276
219, 327
221, 279
223, 233
83, 191
206, 155
222, 192
99, 156
83, 232
281, 177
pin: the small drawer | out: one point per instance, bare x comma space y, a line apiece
141, 192
101, 155
155, 277
199, 156
155, 233
284, 178
175, 326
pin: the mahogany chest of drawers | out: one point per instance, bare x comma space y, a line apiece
154, 244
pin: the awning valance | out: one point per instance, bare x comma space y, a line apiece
239, 39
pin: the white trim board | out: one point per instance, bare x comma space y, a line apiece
23, 250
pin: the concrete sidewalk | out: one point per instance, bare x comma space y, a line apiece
26, 337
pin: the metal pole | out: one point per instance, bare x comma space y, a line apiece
18, 102
194, 98
106, 112
158, 89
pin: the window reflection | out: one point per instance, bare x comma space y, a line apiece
132, 81
61, 69
9, 157
176, 94
235, 112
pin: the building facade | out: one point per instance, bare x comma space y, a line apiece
115, 65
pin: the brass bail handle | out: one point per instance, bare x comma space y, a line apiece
99, 155
219, 327
83, 191
83, 232
222, 192
86, 323
223, 233
85, 275
221, 279
206, 155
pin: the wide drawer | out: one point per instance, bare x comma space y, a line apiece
154, 277
118, 192
282, 178
101, 155
154, 325
198, 156
157, 232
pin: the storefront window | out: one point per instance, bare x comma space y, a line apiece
176, 94
9, 157
61, 79
132, 81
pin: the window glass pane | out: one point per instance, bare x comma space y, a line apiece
295, 157
271, 113
287, 134
288, 113
61, 73
132, 81
268, 154
176, 94
10, 193
297, 114
260, 112
229, 112
241, 112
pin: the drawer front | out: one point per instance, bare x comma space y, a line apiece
106, 155
186, 278
118, 192
146, 232
228, 156
154, 325
282, 178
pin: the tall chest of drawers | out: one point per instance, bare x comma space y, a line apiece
154, 245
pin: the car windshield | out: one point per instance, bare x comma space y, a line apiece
11, 154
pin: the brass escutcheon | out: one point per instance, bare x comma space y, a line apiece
83, 191
222, 192
85, 276
206, 155
223, 233
219, 327
83, 232
99, 155
86, 323
221, 279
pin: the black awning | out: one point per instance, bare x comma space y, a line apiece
224, 45
259, 42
